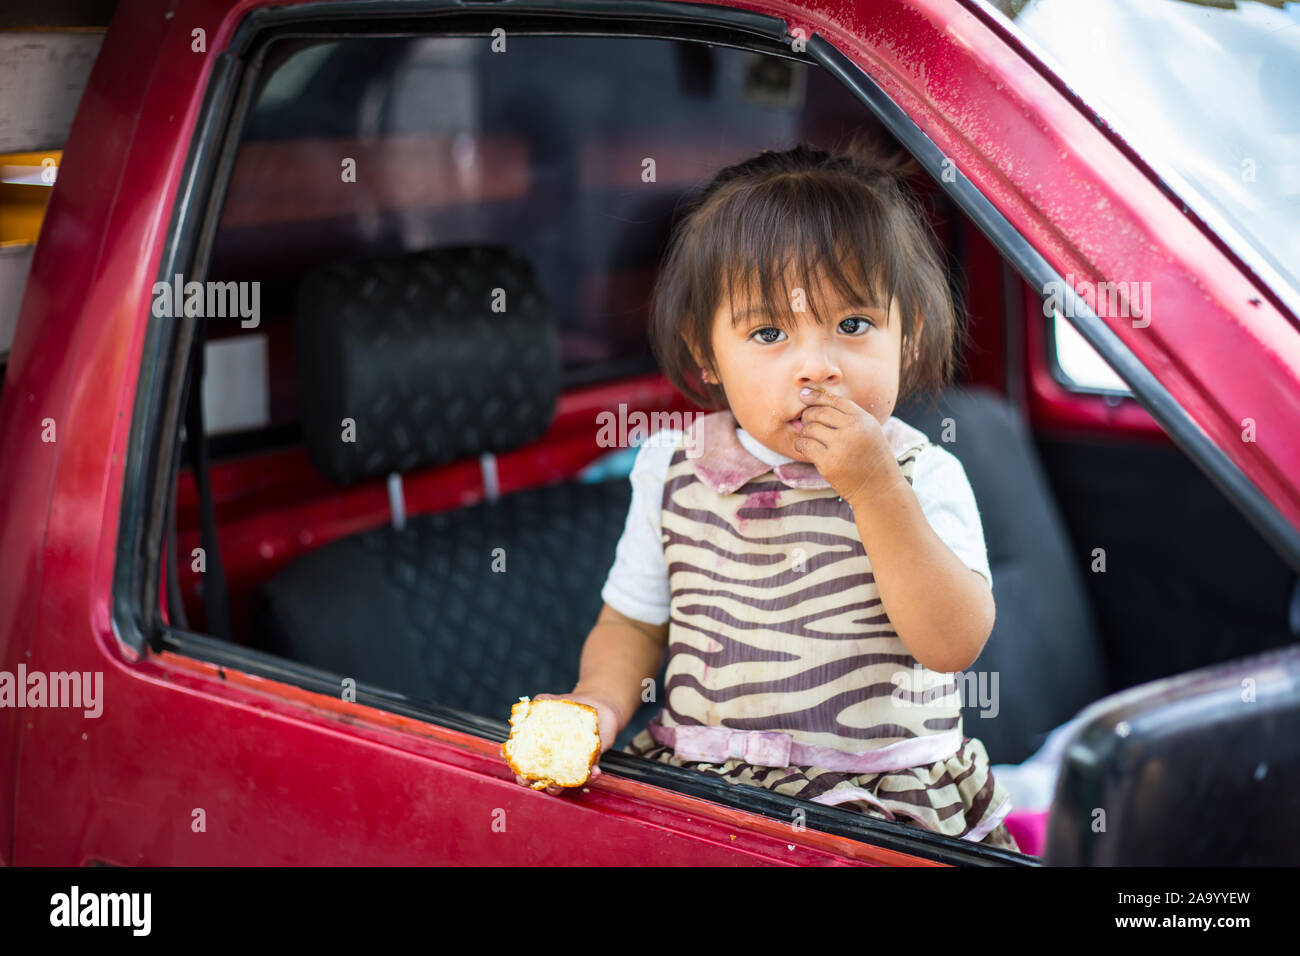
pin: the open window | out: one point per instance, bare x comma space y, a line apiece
359, 185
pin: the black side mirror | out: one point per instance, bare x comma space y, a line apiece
1201, 769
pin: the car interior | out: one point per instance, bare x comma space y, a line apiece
453, 546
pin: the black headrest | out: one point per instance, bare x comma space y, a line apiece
433, 357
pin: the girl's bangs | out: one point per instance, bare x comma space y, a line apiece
828, 257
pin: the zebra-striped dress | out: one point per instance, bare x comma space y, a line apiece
776, 625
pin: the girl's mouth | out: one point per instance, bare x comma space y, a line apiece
797, 422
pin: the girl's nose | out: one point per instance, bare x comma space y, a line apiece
817, 365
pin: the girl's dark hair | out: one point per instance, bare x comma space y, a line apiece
849, 216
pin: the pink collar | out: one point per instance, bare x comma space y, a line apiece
724, 464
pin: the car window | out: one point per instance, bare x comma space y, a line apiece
1207, 90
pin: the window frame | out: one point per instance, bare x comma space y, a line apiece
169, 349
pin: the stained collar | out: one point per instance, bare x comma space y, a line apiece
724, 464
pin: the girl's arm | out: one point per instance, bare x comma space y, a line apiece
620, 654
942, 610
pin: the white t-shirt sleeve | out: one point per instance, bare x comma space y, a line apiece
948, 503
637, 585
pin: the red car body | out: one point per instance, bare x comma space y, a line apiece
285, 775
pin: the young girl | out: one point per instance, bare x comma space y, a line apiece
814, 567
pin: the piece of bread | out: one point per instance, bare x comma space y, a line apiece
552, 742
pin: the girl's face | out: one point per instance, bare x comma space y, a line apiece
856, 355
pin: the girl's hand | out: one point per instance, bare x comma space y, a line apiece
847, 446
608, 720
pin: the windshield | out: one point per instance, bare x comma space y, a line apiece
1206, 89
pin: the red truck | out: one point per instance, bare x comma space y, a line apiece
225, 641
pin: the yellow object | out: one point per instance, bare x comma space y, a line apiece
26, 182
552, 742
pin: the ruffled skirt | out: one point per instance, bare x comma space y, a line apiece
957, 796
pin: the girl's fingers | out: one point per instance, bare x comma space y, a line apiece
826, 415
817, 431
824, 399
809, 445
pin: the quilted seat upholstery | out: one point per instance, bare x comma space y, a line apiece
419, 354
421, 611
436, 356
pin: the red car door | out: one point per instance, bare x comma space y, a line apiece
204, 754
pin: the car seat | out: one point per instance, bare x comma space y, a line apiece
404, 364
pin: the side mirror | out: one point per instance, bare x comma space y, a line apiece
1202, 769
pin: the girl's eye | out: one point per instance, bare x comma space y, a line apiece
764, 337
856, 325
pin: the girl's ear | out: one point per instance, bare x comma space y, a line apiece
912, 346
699, 363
